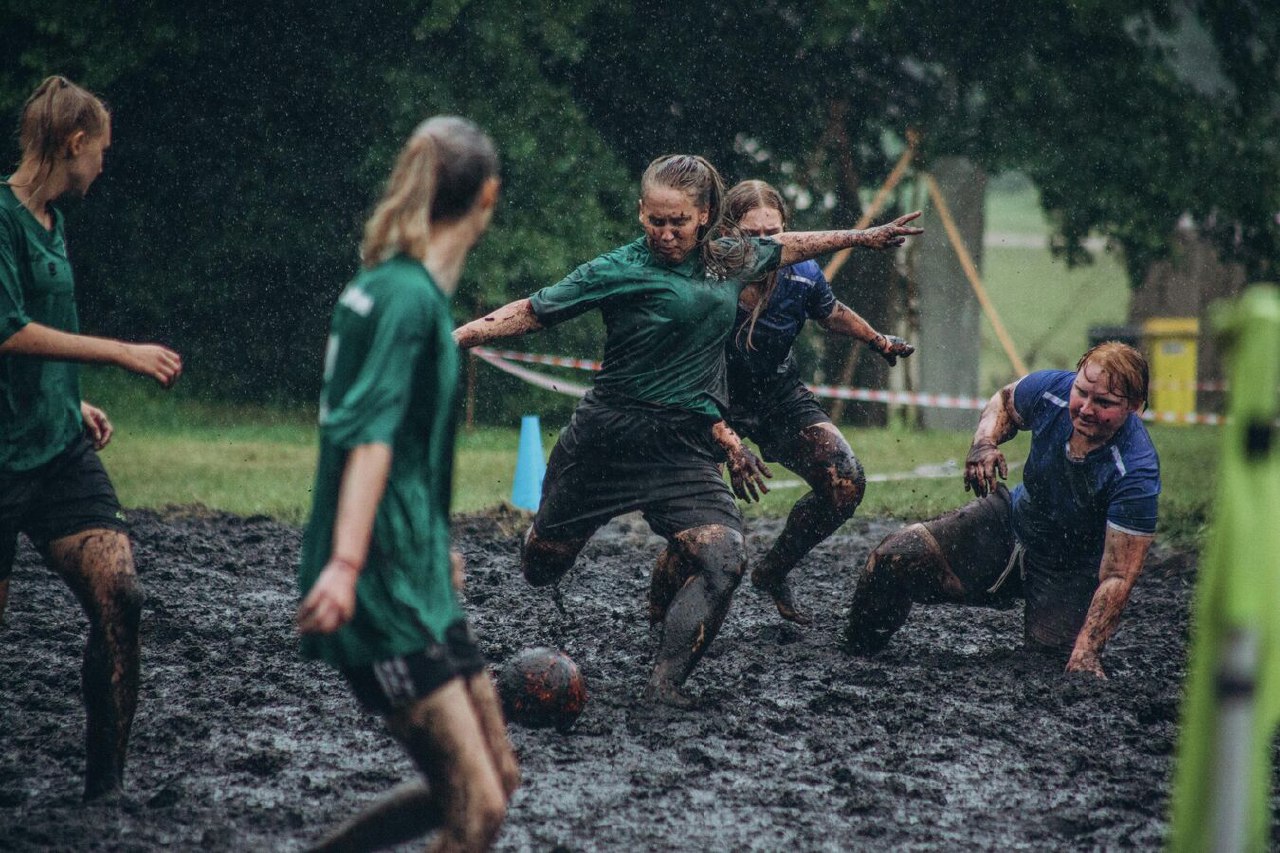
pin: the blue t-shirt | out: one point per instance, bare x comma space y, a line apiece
1063, 507
802, 293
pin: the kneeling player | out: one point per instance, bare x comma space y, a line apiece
1069, 541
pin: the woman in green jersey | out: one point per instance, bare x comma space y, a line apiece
377, 573
645, 437
53, 487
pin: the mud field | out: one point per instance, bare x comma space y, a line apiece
952, 738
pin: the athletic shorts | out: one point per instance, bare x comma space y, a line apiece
620, 456
69, 493
979, 547
773, 413
388, 685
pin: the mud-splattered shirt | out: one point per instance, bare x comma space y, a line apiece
801, 293
1063, 507
39, 397
391, 377
665, 325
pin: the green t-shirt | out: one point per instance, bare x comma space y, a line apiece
391, 377
665, 326
39, 398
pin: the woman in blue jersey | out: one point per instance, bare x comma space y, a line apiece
1069, 540
53, 487
769, 403
378, 579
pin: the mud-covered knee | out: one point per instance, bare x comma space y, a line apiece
126, 598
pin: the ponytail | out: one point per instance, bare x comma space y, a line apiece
436, 178
400, 223
56, 111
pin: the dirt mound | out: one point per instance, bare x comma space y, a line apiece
953, 737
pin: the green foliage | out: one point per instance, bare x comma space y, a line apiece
251, 139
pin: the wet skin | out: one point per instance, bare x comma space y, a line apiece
710, 559
98, 567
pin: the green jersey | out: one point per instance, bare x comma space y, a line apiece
390, 377
665, 326
39, 398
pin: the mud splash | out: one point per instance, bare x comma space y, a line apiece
951, 738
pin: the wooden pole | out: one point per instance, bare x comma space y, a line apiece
971, 273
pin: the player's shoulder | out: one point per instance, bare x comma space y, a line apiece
1051, 386
1135, 446
399, 284
805, 273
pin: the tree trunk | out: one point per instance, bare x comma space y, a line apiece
950, 317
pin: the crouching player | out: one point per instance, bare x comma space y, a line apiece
1070, 541
377, 572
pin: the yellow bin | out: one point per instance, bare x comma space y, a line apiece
1171, 349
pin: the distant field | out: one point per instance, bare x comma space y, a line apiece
1047, 307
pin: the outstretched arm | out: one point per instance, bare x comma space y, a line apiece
160, 363
998, 424
510, 321
800, 246
843, 320
1122, 557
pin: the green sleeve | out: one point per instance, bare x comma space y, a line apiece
765, 258
374, 385
13, 315
575, 294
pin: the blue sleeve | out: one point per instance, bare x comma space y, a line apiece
1041, 393
1134, 505
820, 301
13, 314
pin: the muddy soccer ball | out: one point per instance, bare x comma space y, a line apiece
542, 688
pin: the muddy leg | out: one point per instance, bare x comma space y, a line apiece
718, 555
669, 575
406, 812
904, 568
826, 462
545, 561
98, 566
484, 699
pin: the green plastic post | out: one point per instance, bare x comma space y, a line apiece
1222, 778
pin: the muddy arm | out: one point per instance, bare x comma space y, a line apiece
998, 424
800, 246
510, 321
843, 320
1122, 558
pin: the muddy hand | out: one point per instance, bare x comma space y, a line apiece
332, 600
981, 467
891, 348
747, 473
96, 424
893, 234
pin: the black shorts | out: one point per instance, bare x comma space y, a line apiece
69, 493
979, 547
388, 685
620, 456
772, 413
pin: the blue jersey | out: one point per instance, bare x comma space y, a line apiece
802, 293
1063, 507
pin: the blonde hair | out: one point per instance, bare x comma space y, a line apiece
743, 198
698, 179
56, 111
436, 178
1126, 369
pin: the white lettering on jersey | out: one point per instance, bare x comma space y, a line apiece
357, 300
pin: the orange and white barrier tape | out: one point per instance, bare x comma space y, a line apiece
502, 359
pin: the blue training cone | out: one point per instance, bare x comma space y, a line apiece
531, 465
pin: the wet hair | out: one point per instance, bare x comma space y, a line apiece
1126, 369
740, 200
57, 110
699, 180
436, 178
